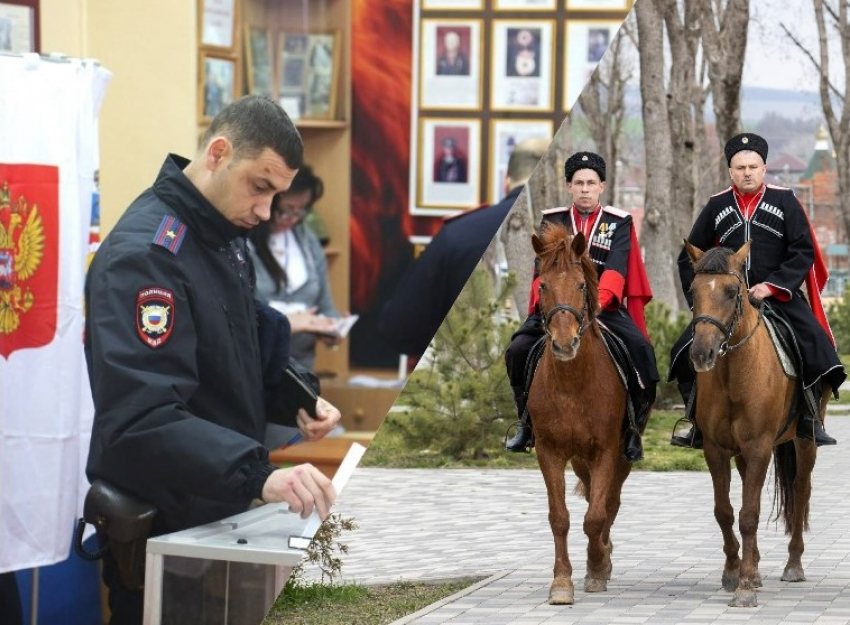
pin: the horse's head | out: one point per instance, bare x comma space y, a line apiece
568, 288
718, 290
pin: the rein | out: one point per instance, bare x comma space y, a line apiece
579, 315
729, 330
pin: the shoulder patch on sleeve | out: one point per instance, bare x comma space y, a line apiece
170, 234
154, 315
617, 212
557, 209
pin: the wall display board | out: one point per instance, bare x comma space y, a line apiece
488, 74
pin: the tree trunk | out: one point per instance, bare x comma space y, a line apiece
545, 189
725, 42
659, 256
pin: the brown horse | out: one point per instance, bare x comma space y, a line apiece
743, 400
577, 402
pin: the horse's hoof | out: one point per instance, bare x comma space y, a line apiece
561, 592
793, 574
594, 584
744, 599
757, 580
730, 581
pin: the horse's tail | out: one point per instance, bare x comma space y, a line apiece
580, 489
785, 472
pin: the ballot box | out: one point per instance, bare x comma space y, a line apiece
228, 572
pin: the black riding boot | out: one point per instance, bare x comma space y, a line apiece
693, 439
522, 439
810, 426
633, 445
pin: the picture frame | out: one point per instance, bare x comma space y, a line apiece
585, 44
308, 73
450, 75
505, 134
599, 6
452, 5
525, 5
522, 65
218, 79
217, 20
449, 157
259, 64
19, 32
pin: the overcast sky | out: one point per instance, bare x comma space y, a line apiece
772, 59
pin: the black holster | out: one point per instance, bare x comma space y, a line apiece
123, 523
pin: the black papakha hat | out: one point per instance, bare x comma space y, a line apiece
584, 160
745, 141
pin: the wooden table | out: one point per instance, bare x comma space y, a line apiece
326, 454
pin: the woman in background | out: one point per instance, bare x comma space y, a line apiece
291, 270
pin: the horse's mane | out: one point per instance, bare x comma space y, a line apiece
556, 240
715, 260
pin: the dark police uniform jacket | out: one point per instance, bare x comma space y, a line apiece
609, 248
427, 291
172, 351
782, 253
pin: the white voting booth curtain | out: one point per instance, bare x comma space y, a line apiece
48, 155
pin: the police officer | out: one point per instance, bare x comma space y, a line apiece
427, 291
623, 292
172, 342
783, 255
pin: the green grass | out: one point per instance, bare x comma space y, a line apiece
357, 605
388, 450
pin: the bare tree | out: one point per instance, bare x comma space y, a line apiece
835, 101
603, 104
659, 155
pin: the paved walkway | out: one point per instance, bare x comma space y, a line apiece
437, 524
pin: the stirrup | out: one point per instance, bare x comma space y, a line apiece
514, 446
688, 442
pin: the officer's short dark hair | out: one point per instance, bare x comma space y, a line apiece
521, 164
254, 123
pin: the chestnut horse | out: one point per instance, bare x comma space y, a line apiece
577, 403
742, 404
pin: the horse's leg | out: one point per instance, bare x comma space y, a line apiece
806, 453
553, 463
757, 454
596, 521
741, 465
613, 507
721, 476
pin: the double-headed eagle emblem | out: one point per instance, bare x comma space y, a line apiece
22, 242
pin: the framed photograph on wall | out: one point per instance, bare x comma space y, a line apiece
505, 134
217, 76
308, 66
19, 26
586, 43
258, 60
217, 23
450, 64
598, 5
453, 5
525, 5
521, 69
449, 165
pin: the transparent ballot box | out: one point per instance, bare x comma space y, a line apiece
227, 572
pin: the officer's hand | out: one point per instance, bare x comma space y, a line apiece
303, 487
327, 418
760, 291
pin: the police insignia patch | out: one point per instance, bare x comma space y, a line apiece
154, 316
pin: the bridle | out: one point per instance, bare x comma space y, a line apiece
579, 315
728, 330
